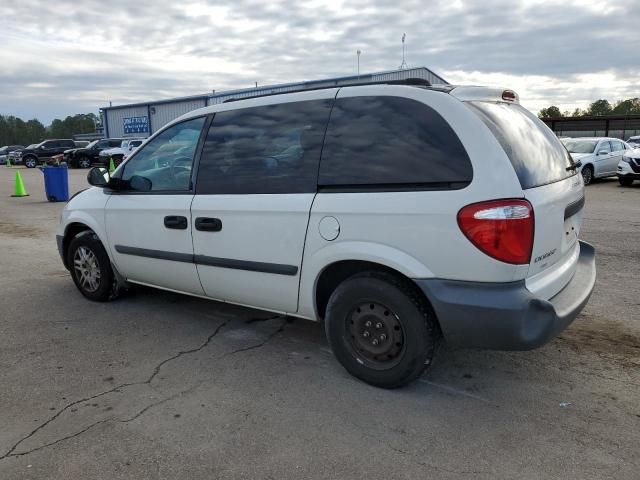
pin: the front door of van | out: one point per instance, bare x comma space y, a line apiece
148, 221
256, 183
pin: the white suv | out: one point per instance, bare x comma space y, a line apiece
123, 151
396, 214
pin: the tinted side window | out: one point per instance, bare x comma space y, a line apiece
67, 144
268, 149
166, 160
391, 141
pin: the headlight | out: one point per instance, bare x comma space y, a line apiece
626, 159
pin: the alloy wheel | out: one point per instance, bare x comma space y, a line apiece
87, 269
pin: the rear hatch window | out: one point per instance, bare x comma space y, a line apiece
537, 155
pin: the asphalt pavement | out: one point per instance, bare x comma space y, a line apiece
159, 385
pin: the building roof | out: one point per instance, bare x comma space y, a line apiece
282, 86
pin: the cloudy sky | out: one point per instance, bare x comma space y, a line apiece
69, 56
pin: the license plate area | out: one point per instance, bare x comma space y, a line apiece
571, 231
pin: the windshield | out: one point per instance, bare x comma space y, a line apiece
581, 146
92, 144
537, 156
4, 150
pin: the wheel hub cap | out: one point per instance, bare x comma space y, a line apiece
376, 335
87, 269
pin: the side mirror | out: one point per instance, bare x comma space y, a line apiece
603, 152
98, 177
42, 147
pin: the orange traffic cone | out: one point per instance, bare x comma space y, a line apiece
20, 191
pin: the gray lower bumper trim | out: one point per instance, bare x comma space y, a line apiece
507, 316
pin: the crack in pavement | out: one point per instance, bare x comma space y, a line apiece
156, 370
264, 342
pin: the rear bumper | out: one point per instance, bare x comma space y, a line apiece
507, 316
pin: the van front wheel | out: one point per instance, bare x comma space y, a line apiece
90, 267
380, 329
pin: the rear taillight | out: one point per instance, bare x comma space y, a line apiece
503, 229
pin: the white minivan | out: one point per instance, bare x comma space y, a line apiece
396, 214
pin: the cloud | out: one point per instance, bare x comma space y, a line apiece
66, 56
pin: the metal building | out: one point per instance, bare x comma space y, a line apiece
145, 118
619, 126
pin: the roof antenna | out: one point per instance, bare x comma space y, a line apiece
403, 65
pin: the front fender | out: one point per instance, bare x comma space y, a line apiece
87, 208
315, 263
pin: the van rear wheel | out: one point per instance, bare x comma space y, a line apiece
380, 329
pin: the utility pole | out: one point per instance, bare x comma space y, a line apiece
358, 53
403, 65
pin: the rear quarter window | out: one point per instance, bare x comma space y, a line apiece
391, 142
537, 155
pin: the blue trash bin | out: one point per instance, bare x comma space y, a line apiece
56, 183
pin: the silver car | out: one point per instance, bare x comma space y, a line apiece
597, 157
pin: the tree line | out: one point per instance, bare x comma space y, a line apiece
599, 107
16, 131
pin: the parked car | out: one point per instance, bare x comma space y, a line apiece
118, 153
15, 156
89, 155
629, 167
394, 213
81, 143
634, 142
43, 151
597, 157
6, 150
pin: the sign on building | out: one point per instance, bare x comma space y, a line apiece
136, 125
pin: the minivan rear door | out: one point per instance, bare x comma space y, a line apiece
550, 182
256, 182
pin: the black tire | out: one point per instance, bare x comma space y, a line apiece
104, 287
84, 162
30, 162
587, 174
625, 182
404, 353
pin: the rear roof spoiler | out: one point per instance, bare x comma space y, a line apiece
486, 94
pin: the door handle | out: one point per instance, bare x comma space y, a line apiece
175, 222
206, 224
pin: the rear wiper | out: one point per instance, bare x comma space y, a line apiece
574, 166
